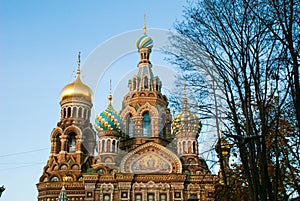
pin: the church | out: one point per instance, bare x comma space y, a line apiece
142, 153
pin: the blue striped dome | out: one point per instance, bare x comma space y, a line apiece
108, 120
144, 41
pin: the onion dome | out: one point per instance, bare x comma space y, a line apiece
77, 89
222, 146
144, 41
108, 120
186, 121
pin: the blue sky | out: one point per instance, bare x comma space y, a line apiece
39, 41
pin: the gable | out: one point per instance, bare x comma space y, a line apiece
151, 158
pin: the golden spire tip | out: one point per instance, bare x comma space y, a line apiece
78, 63
184, 99
145, 24
110, 96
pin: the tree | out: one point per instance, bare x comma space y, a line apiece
244, 57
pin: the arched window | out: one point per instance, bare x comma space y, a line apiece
147, 124
84, 114
150, 197
108, 145
190, 147
113, 146
162, 197
72, 143
179, 147
130, 126
65, 113
57, 144
80, 112
138, 197
184, 147
69, 112
194, 147
103, 146
74, 112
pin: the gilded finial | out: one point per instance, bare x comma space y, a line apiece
110, 96
66, 178
145, 24
78, 63
184, 99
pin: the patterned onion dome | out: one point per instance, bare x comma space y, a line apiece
108, 120
222, 145
144, 41
186, 121
76, 89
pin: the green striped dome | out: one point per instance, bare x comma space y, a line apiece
187, 122
108, 120
144, 41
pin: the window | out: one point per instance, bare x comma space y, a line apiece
72, 143
106, 197
130, 126
74, 112
184, 147
150, 197
102, 146
162, 197
194, 147
58, 144
69, 112
65, 113
84, 114
147, 124
138, 197
80, 112
113, 146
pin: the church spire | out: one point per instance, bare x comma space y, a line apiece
185, 98
78, 64
145, 28
110, 95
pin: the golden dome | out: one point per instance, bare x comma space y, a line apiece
77, 89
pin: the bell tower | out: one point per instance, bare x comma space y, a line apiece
72, 141
186, 126
145, 110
